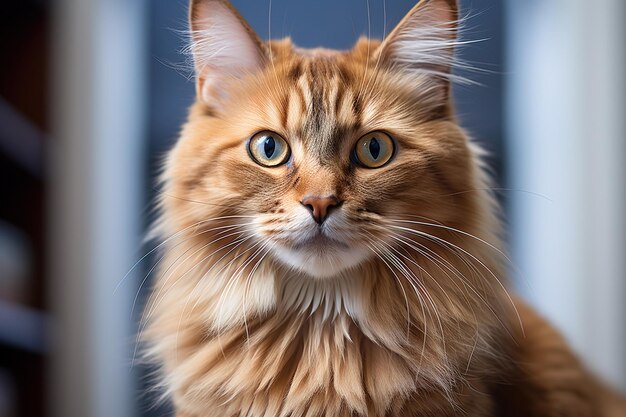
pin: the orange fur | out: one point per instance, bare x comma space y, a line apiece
419, 325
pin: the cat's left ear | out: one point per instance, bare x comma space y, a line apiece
224, 47
424, 40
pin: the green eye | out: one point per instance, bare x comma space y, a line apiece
374, 150
268, 149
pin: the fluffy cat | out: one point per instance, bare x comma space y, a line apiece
330, 244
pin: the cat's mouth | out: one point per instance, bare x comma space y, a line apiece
320, 241
320, 255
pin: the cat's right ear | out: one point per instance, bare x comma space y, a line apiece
224, 47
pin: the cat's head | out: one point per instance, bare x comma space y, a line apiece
323, 159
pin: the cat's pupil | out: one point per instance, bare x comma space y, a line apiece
269, 146
374, 148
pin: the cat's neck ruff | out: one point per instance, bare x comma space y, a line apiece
336, 339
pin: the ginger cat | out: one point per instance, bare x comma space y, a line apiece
331, 246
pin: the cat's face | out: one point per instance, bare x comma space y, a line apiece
323, 157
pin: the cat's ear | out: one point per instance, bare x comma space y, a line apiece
424, 40
224, 47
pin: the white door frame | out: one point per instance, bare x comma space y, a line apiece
567, 141
95, 196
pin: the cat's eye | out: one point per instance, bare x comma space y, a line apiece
268, 149
374, 150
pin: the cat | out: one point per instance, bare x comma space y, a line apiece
330, 243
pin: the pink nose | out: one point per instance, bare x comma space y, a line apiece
320, 207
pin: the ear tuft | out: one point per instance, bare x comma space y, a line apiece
224, 47
424, 41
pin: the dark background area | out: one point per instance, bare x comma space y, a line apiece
24, 29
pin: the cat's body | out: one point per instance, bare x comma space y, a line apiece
340, 272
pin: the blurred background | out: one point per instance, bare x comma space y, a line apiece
93, 92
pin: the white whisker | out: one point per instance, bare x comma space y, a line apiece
445, 242
408, 310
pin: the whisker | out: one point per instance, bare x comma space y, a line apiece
229, 286
406, 299
456, 272
119, 284
410, 275
438, 224
443, 241
497, 189
247, 286
189, 200
425, 271
238, 242
452, 229
236, 274
156, 300
422, 305
165, 273
437, 259
231, 280
369, 41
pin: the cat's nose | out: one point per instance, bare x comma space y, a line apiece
320, 207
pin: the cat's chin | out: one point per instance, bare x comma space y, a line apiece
321, 261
